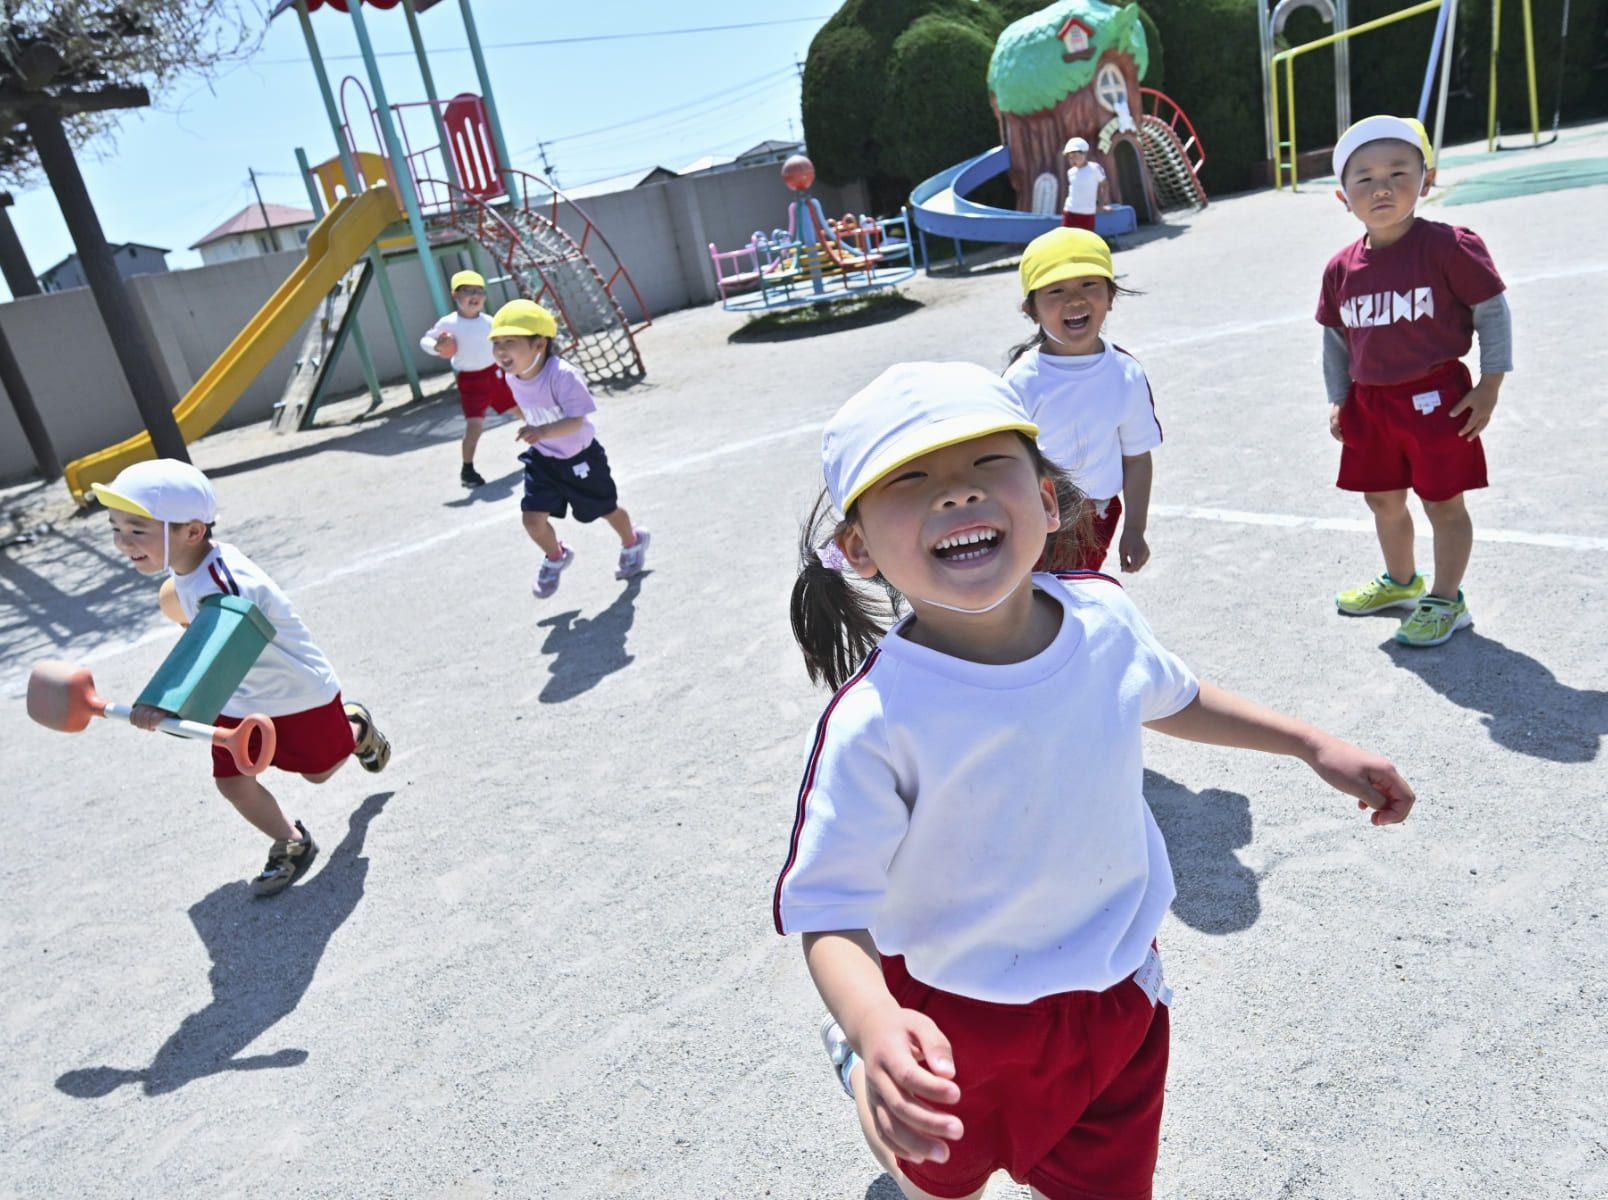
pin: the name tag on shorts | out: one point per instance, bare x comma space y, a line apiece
1150, 982
1426, 402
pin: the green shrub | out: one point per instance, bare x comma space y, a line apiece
935, 107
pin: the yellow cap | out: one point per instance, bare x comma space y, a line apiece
523, 318
468, 279
1064, 254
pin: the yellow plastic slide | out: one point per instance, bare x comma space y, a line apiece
335, 244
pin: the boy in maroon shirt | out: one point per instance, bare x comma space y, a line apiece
1399, 309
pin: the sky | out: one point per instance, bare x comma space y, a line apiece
609, 87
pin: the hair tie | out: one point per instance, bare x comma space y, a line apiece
831, 556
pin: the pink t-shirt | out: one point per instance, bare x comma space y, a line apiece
554, 393
1408, 307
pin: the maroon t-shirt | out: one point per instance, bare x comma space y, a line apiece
1408, 307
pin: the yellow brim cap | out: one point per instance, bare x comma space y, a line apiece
162, 489
1064, 254
1380, 128
117, 500
468, 279
523, 318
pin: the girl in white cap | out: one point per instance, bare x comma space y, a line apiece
464, 336
1085, 187
973, 866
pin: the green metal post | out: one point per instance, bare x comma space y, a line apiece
399, 165
492, 118
370, 375
429, 90
376, 259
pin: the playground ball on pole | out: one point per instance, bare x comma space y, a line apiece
798, 173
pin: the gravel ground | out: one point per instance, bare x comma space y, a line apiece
535, 959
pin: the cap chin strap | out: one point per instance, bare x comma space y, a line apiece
165, 528
972, 611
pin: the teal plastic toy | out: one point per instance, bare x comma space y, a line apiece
224, 641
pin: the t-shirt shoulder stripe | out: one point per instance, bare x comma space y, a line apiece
808, 783
1086, 576
223, 577
1149, 391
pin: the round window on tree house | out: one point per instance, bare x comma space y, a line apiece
1110, 89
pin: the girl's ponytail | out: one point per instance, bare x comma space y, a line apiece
836, 620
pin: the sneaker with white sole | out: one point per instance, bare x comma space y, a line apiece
370, 747
1379, 593
287, 862
839, 1051
546, 581
1434, 621
632, 556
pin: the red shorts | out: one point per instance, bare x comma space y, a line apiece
480, 390
1403, 436
1091, 556
305, 743
1064, 1093
1072, 220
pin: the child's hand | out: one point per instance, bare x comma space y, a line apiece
1373, 780
446, 345
1334, 423
908, 1069
529, 434
1480, 403
1133, 551
147, 716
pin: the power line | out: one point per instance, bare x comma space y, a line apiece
569, 41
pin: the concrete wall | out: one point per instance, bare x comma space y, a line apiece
661, 232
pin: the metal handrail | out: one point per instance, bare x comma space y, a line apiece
1288, 57
1179, 114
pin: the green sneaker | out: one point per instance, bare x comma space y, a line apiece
1378, 593
1433, 621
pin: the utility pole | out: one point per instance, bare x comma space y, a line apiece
273, 238
547, 168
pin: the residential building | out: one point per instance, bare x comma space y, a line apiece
257, 229
132, 258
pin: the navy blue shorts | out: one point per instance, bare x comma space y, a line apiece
555, 485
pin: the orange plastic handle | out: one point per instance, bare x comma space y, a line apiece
237, 742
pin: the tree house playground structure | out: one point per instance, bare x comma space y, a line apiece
447, 163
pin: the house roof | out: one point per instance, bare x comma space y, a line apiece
770, 147
113, 247
249, 220
620, 183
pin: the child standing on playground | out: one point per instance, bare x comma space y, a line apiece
1091, 400
565, 466
162, 514
464, 336
1399, 308
979, 918
1085, 187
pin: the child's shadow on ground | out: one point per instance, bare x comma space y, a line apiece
1216, 892
585, 650
1525, 707
263, 954
489, 492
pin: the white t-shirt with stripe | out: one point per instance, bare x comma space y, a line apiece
989, 822
1091, 409
292, 675
473, 335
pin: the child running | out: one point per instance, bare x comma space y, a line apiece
162, 514
1399, 308
1090, 400
465, 337
565, 466
1085, 187
979, 917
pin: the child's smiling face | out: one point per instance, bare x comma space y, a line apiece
140, 538
1383, 182
1071, 312
961, 526
516, 354
471, 301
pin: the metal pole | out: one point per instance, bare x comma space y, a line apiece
1342, 70
1435, 46
1529, 63
400, 166
492, 118
1270, 116
95, 256
376, 259
273, 238
28, 416
1496, 41
370, 376
430, 91
1447, 50
14, 263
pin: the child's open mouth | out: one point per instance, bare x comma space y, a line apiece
1076, 324
967, 545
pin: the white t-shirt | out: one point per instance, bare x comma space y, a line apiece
473, 338
989, 822
1091, 409
1083, 188
292, 675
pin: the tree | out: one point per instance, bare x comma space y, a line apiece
67, 67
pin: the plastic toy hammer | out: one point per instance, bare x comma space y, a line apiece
62, 696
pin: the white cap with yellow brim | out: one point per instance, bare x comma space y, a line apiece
164, 489
909, 410
1065, 253
1380, 128
523, 318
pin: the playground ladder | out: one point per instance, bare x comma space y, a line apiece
1173, 155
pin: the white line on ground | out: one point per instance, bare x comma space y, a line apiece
1555, 541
